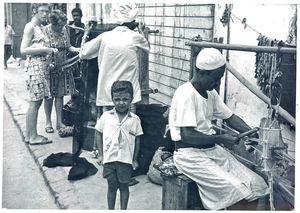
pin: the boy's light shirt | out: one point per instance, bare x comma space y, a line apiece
111, 128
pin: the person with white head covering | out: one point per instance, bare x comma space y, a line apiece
200, 154
124, 13
117, 61
117, 54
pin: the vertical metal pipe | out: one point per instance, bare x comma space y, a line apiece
227, 53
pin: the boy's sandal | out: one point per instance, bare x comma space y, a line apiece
65, 131
43, 141
49, 129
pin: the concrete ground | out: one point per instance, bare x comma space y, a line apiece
23, 184
88, 193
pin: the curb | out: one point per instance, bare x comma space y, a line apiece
54, 184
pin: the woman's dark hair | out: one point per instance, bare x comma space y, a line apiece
56, 16
77, 10
122, 86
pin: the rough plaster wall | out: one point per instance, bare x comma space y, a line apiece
271, 21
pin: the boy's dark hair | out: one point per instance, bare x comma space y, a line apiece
78, 10
122, 86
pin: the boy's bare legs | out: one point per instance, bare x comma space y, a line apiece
112, 192
124, 195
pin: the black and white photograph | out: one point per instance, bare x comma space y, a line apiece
197, 100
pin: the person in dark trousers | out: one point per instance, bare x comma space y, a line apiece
76, 28
118, 132
76, 32
8, 42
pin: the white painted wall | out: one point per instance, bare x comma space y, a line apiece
271, 20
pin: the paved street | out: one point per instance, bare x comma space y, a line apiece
23, 185
87, 193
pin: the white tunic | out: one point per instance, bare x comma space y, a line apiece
222, 180
118, 137
117, 60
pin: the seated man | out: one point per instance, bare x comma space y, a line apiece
200, 154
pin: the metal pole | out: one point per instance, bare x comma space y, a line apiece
239, 47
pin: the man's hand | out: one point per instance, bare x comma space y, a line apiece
100, 160
135, 164
229, 140
88, 28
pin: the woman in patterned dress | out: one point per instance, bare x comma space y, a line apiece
62, 81
37, 49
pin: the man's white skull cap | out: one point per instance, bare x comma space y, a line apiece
209, 59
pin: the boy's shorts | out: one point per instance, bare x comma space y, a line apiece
117, 170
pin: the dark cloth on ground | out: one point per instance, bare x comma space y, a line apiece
58, 159
81, 168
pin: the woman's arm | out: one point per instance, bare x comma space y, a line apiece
74, 49
26, 48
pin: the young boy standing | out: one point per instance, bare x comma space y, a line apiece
118, 131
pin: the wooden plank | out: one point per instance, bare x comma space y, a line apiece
168, 51
180, 32
169, 42
169, 71
162, 88
162, 98
178, 64
185, 55
172, 82
180, 10
152, 100
188, 22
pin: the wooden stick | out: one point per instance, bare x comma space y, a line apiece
74, 27
240, 47
260, 95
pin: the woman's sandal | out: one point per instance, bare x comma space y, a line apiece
65, 131
43, 141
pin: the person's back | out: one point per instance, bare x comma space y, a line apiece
117, 54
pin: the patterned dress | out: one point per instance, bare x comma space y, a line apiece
62, 81
37, 75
